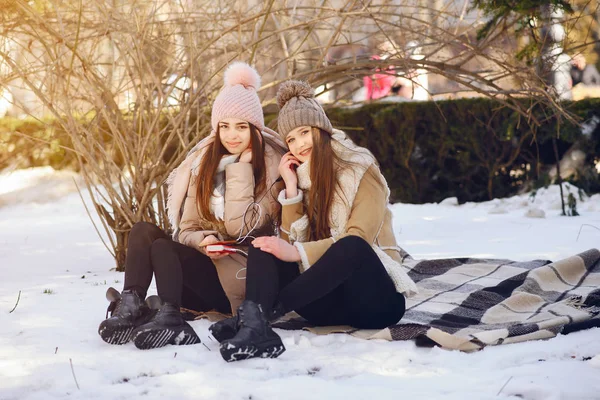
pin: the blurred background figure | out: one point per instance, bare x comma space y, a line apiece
585, 78
381, 82
584, 73
392, 82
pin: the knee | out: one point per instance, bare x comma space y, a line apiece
258, 260
142, 230
354, 248
257, 254
160, 246
353, 242
142, 227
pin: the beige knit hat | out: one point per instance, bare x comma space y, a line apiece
298, 107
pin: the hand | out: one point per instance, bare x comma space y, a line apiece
210, 239
278, 247
287, 170
246, 155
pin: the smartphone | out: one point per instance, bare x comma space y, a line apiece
219, 248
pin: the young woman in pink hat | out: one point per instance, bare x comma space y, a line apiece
224, 190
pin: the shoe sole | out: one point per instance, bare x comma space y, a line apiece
124, 334
154, 338
231, 352
116, 336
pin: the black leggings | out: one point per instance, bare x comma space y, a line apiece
184, 276
348, 285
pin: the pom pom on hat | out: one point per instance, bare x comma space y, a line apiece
238, 97
240, 73
298, 107
290, 89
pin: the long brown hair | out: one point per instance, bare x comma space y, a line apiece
324, 166
210, 162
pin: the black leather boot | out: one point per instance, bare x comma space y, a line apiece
166, 327
227, 328
224, 329
254, 338
128, 311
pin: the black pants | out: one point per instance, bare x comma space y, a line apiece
347, 286
184, 276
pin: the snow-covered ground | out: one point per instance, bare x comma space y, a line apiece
50, 349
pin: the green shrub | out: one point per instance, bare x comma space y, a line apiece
472, 149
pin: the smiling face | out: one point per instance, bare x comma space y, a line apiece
300, 142
234, 135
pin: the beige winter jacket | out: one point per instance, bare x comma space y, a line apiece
239, 194
364, 214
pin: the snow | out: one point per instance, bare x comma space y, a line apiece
50, 348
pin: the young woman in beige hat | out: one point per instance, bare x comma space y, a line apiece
337, 262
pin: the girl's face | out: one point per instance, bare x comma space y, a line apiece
300, 143
234, 135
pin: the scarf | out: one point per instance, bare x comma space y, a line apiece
217, 200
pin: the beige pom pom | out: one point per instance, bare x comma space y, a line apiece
289, 89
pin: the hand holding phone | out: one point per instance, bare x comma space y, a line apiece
212, 240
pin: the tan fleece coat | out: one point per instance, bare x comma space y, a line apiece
239, 194
364, 214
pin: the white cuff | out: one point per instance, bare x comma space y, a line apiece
304, 265
287, 202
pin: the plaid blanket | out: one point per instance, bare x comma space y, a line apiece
468, 303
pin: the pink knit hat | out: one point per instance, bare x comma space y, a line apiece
238, 98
